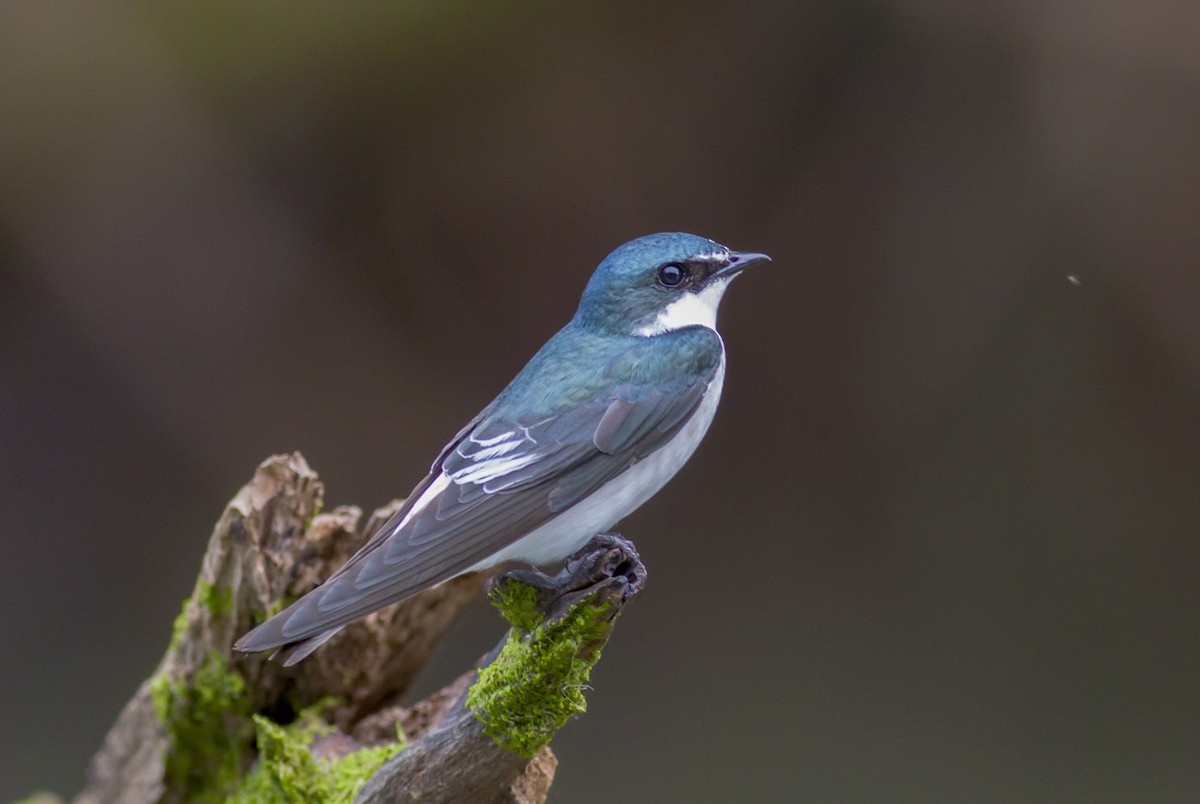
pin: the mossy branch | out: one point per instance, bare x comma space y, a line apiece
493, 745
536, 682
212, 725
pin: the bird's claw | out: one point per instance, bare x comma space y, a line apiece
606, 556
608, 564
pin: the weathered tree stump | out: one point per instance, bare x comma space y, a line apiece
214, 725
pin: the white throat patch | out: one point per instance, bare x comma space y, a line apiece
689, 310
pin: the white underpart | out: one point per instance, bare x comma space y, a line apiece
571, 530
689, 310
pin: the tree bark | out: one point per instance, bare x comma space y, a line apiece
189, 733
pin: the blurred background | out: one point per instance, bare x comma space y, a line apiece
941, 543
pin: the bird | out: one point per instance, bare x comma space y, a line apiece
596, 423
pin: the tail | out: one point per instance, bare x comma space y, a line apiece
312, 620
303, 650
393, 565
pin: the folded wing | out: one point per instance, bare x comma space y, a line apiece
500, 479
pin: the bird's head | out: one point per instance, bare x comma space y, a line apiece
659, 283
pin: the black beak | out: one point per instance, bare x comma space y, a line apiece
739, 260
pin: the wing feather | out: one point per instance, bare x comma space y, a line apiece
497, 481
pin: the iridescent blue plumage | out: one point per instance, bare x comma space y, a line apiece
622, 290
597, 421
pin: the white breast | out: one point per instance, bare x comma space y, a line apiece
571, 530
690, 310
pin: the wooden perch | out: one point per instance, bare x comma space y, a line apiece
214, 725
492, 745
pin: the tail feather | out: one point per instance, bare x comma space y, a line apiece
303, 650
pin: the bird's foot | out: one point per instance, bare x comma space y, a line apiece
607, 555
608, 563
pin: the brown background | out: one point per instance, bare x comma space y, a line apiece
941, 544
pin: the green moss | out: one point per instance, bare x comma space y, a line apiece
206, 717
207, 720
318, 508
518, 602
287, 771
41, 797
179, 627
211, 728
217, 600
211, 731
536, 684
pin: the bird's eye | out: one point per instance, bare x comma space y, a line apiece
672, 275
